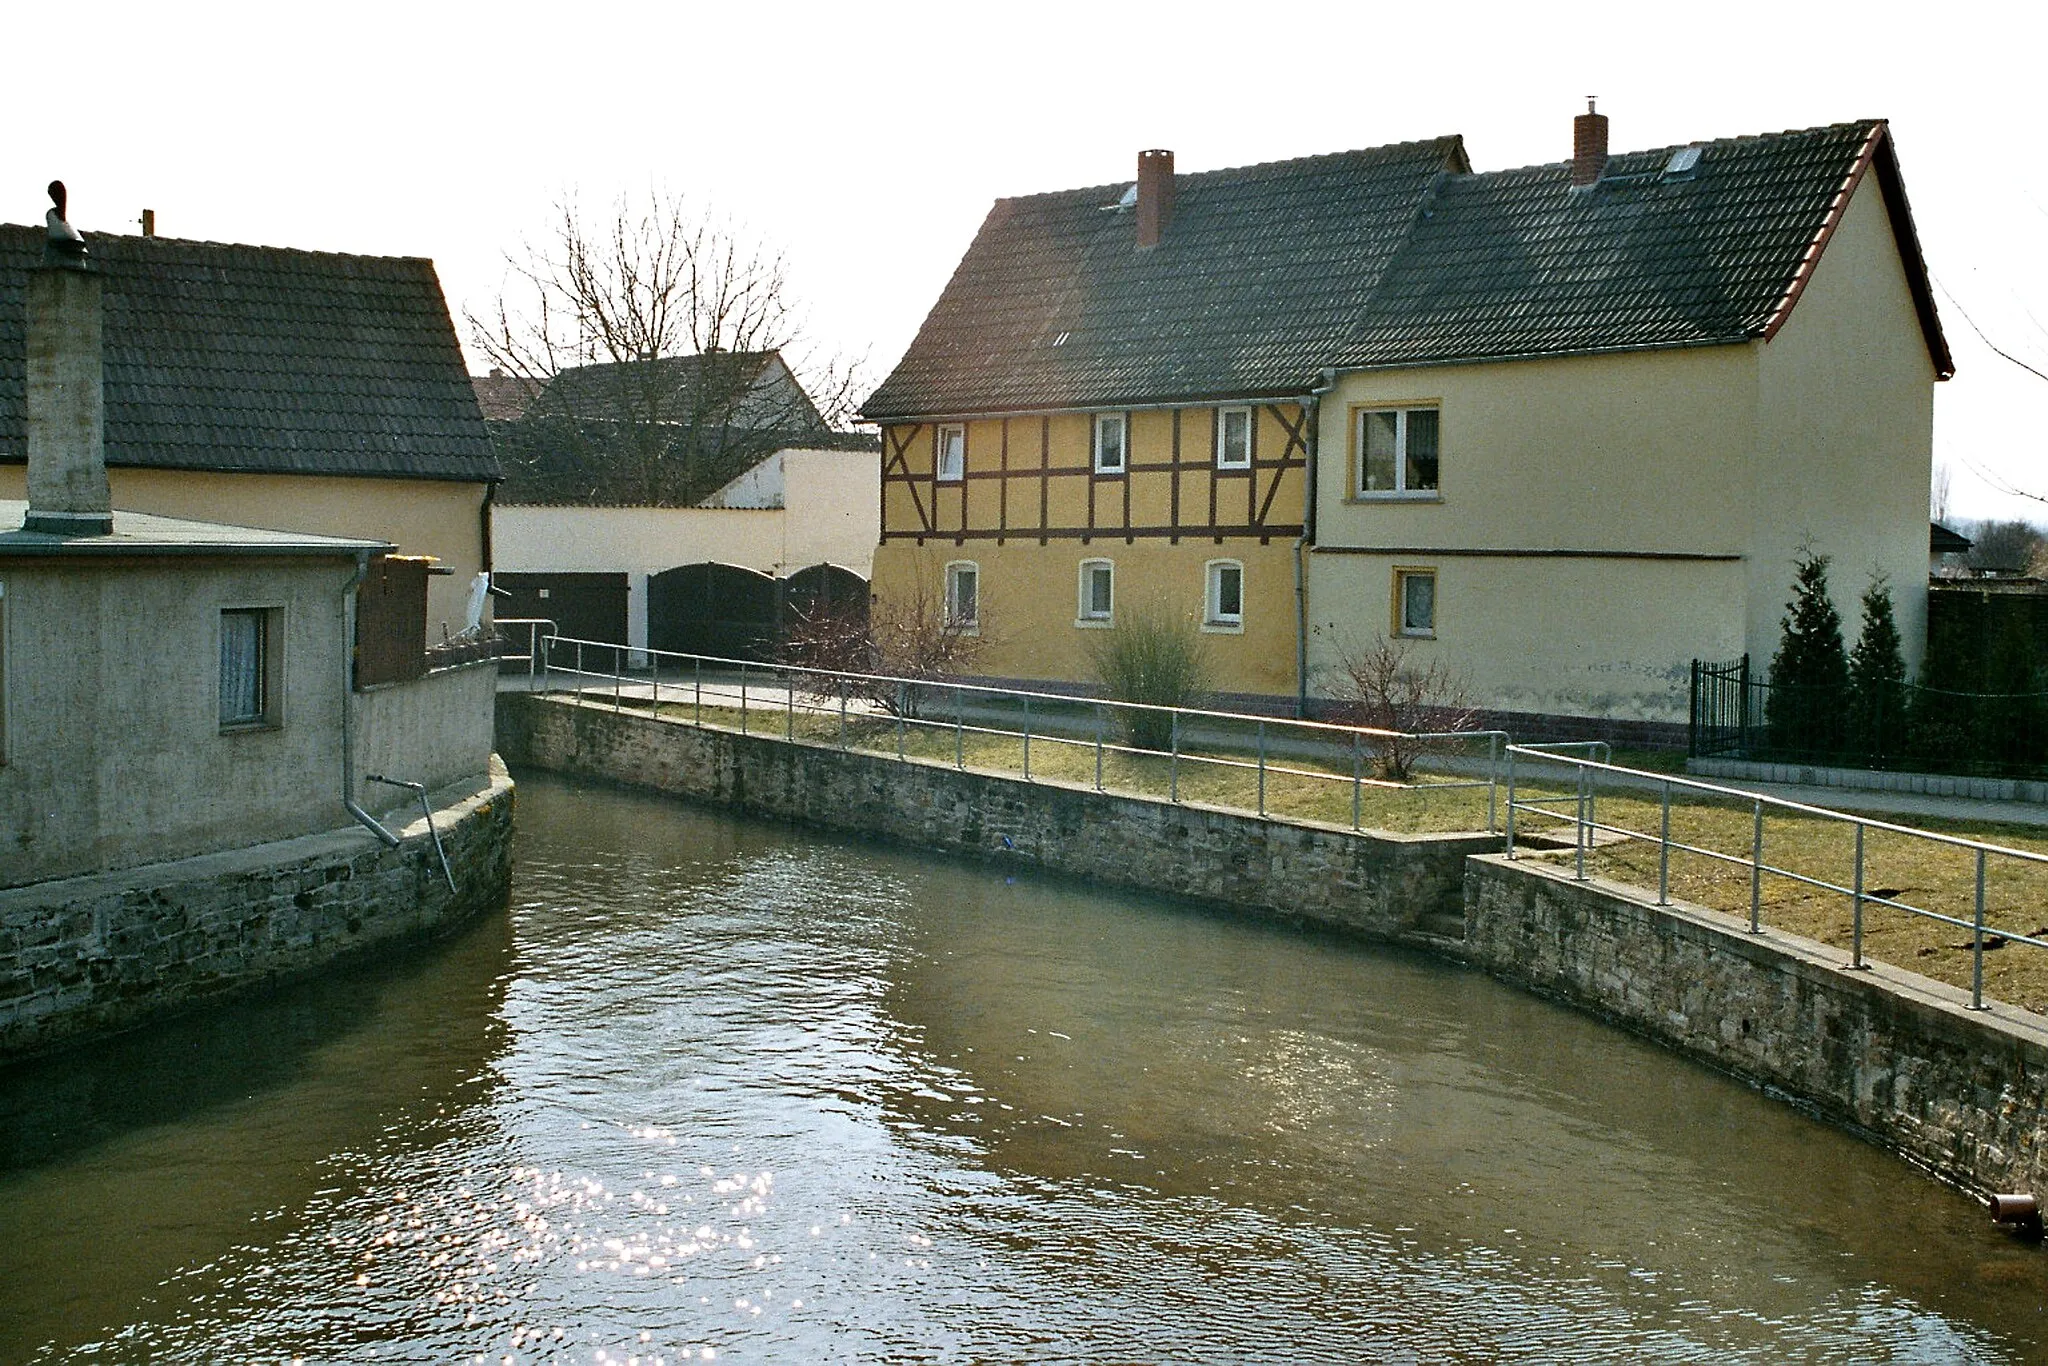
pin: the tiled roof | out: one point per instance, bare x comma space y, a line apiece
142, 533
502, 397
263, 359
1375, 259
1055, 306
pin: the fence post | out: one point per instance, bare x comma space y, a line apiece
842, 711
1510, 822
580, 684
654, 676
1357, 778
697, 667
1027, 738
1742, 708
618, 679
1856, 915
1492, 783
1262, 768
902, 702
743, 697
1664, 850
789, 705
959, 733
1173, 762
1098, 746
1581, 837
1977, 942
1756, 871
1692, 714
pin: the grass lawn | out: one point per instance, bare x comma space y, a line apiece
1312, 783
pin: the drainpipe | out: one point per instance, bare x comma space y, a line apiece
348, 681
1312, 423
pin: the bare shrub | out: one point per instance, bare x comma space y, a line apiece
1382, 685
1152, 655
910, 638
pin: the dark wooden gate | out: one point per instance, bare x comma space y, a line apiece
722, 610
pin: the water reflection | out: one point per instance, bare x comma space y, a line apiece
729, 1092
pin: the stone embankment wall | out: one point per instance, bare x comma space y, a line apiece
1378, 885
1890, 1054
1887, 1052
87, 955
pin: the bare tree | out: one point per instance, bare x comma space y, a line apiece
1379, 685
666, 352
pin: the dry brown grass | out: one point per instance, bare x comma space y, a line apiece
1920, 872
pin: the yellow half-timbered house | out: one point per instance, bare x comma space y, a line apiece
1562, 428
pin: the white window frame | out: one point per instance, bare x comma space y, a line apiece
1214, 619
270, 666
1359, 418
1085, 612
970, 623
1404, 575
1223, 457
1122, 424
956, 470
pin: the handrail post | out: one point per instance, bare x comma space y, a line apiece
1357, 778
1027, 739
1856, 914
1173, 760
697, 665
959, 734
1756, 871
580, 684
842, 711
1099, 709
654, 677
1492, 783
1664, 850
902, 704
1977, 942
1581, 837
618, 679
1510, 822
743, 697
1262, 768
789, 704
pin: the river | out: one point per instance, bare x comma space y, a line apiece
716, 1090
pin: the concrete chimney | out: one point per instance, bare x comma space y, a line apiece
1589, 146
1155, 195
67, 459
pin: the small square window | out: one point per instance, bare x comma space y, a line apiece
953, 451
963, 595
248, 668
1109, 443
1397, 451
1223, 606
1233, 438
1415, 602
1098, 591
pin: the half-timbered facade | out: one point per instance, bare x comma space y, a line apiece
1562, 428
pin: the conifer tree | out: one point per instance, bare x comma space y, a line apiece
1877, 680
1810, 672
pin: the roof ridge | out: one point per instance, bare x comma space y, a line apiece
1861, 125
1416, 146
92, 236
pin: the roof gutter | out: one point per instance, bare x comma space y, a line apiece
1264, 400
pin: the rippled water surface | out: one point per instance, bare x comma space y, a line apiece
721, 1091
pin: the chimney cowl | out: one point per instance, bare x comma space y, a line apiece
1155, 195
1589, 146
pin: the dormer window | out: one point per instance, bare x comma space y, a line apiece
1111, 430
952, 451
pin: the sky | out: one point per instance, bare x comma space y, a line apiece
868, 141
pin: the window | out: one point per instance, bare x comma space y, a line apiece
1397, 451
952, 451
1109, 443
248, 668
1233, 438
1415, 602
1223, 598
1098, 593
963, 595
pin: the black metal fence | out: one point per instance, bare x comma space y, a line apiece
1736, 715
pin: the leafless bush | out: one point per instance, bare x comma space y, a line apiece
911, 638
1382, 685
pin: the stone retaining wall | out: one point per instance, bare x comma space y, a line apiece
92, 954
1380, 885
1887, 1052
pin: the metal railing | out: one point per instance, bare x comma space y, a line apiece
775, 695
535, 636
1584, 817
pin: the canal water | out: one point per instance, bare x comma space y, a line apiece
722, 1091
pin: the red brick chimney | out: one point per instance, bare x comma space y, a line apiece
1589, 146
1155, 195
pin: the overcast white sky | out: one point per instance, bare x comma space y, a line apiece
868, 140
